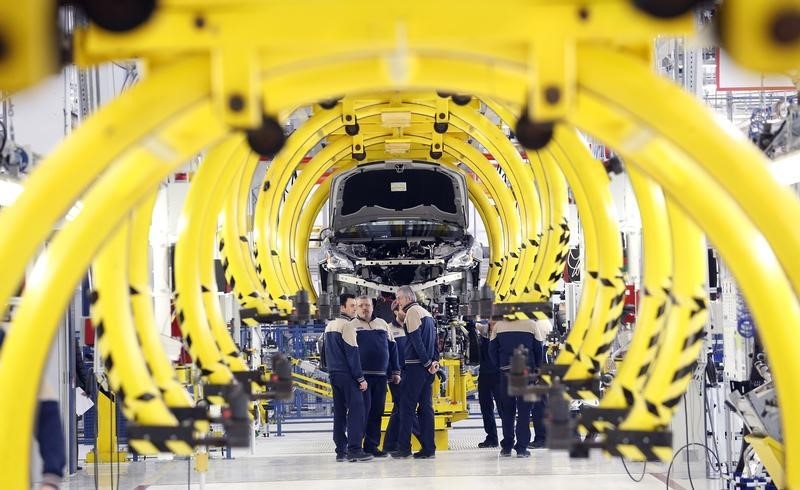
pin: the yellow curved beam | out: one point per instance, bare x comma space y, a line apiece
192, 318
760, 277
69, 254
118, 348
492, 138
215, 193
608, 302
736, 164
234, 246
102, 138
554, 246
652, 311
147, 332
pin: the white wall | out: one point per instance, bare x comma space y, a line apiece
38, 115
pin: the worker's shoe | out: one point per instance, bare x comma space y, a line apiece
400, 454
421, 455
537, 445
378, 453
359, 456
341, 458
505, 453
486, 444
524, 454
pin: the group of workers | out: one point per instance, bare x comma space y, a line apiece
363, 354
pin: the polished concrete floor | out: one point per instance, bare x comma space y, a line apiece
305, 460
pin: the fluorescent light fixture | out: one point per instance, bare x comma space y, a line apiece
9, 192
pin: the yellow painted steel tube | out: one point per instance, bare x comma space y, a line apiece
608, 302
128, 181
306, 180
238, 260
551, 224
595, 222
725, 154
760, 276
653, 308
313, 206
164, 92
118, 348
215, 192
674, 364
554, 245
141, 300
192, 318
503, 202
276, 181
526, 194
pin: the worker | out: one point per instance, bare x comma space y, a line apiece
347, 381
378, 353
507, 336
49, 435
542, 329
399, 334
488, 387
422, 362
383, 308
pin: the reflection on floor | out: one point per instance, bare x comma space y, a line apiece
305, 460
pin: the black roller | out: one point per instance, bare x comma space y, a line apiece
352, 129
533, 135
667, 9
119, 15
461, 99
440, 127
268, 139
329, 104
435, 155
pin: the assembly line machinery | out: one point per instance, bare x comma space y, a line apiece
397, 80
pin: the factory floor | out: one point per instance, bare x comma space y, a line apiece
304, 459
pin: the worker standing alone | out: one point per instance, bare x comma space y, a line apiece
378, 354
422, 362
347, 382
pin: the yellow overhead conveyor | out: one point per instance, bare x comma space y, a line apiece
561, 65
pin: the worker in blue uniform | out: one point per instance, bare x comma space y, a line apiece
49, 435
543, 328
347, 381
399, 334
488, 388
422, 362
507, 336
378, 353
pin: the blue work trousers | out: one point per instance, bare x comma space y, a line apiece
348, 414
516, 416
416, 391
393, 427
488, 396
374, 405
